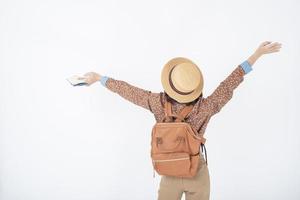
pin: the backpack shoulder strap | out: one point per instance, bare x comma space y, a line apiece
185, 111
168, 108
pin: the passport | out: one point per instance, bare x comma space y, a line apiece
77, 80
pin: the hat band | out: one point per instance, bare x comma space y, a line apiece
173, 87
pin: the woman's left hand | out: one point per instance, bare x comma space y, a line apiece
91, 77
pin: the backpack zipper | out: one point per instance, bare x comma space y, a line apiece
166, 160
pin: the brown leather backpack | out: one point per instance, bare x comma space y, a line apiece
175, 147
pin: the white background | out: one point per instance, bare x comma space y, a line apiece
65, 143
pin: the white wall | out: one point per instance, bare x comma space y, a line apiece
61, 142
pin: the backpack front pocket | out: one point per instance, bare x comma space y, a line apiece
172, 164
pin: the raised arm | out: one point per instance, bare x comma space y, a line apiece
144, 98
134, 94
224, 92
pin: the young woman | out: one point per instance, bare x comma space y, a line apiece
183, 83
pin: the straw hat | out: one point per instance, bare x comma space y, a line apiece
182, 79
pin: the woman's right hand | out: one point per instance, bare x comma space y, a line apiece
264, 48
267, 47
91, 77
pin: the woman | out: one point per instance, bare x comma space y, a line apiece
182, 87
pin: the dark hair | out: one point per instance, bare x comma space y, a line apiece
170, 99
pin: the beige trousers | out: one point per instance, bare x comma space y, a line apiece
196, 188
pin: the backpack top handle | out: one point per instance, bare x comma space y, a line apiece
181, 116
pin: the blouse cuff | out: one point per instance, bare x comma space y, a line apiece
246, 66
103, 80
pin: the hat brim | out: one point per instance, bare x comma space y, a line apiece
167, 87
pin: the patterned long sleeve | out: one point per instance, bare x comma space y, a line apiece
136, 95
224, 92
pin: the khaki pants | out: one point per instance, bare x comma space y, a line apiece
196, 188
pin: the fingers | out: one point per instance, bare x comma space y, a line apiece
275, 44
88, 74
265, 43
89, 78
274, 47
274, 50
82, 78
268, 47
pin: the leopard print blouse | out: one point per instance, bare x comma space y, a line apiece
203, 110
